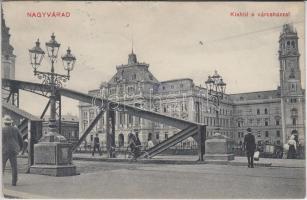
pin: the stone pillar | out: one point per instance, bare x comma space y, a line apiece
53, 158
219, 148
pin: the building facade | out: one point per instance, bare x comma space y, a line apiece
69, 127
273, 115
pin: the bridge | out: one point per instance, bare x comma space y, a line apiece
187, 128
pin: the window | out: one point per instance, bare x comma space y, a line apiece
164, 109
294, 112
293, 44
133, 76
150, 77
266, 123
239, 124
85, 123
258, 122
278, 142
92, 114
277, 122
73, 134
166, 136
258, 111
85, 115
258, 134
294, 121
181, 85
157, 136
266, 111
277, 133
121, 118
130, 119
266, 133
239, 134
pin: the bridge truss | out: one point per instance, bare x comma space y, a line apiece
187, 128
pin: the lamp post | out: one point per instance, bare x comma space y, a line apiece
51, 79
216, 89
52, 155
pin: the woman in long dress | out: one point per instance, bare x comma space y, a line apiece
292, 148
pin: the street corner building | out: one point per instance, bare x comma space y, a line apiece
273, 115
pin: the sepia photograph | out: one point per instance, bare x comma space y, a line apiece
153, 100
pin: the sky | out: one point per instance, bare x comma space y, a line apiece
166, 35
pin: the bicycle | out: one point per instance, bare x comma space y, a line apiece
133, 155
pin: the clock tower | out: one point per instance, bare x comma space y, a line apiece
292, 94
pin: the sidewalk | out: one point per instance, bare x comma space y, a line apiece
192, 159
134, 180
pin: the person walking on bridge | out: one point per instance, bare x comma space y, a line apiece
250, 146
11, 145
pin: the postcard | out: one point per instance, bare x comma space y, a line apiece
147, 100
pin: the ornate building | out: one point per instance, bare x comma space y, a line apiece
273, 115
69, 127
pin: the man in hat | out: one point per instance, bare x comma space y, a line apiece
250, 146
11, 145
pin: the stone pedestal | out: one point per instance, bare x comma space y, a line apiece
53, 159
219, 148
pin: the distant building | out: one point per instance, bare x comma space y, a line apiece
273, 115
7, 56
69, 127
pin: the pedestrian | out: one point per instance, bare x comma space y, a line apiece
11, 145
292, 147
132, 145
96, 145
85, 145
250, 146
137, 142
25, 146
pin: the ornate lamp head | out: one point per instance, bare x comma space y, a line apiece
68, 61
36, 55
53, 48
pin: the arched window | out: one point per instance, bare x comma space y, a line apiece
258, 111
265, 111
288, 44
121, 140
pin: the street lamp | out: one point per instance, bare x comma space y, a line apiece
216, 89
51, 79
